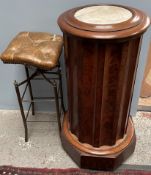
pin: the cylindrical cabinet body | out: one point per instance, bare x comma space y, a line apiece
100, 78
101, 56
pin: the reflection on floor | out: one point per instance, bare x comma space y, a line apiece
44, 147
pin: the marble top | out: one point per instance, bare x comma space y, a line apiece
104, 14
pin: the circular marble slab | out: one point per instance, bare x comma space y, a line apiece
104, 14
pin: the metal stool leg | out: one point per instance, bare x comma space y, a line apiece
30, 91
54, 84
61, 90
57, 106
21, 110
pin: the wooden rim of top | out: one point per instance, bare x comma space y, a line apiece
138, 23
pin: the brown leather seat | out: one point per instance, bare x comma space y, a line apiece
38, 49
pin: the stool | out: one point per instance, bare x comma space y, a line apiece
41, 51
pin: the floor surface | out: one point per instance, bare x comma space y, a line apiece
44, 147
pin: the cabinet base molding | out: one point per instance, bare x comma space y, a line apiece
99, 158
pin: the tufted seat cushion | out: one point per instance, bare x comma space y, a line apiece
38, 49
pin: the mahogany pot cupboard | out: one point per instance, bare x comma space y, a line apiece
101, 44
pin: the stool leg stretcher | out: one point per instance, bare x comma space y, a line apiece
55, 83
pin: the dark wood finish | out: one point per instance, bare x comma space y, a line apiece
100, 81
101, 67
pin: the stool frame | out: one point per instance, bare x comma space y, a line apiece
58, 94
